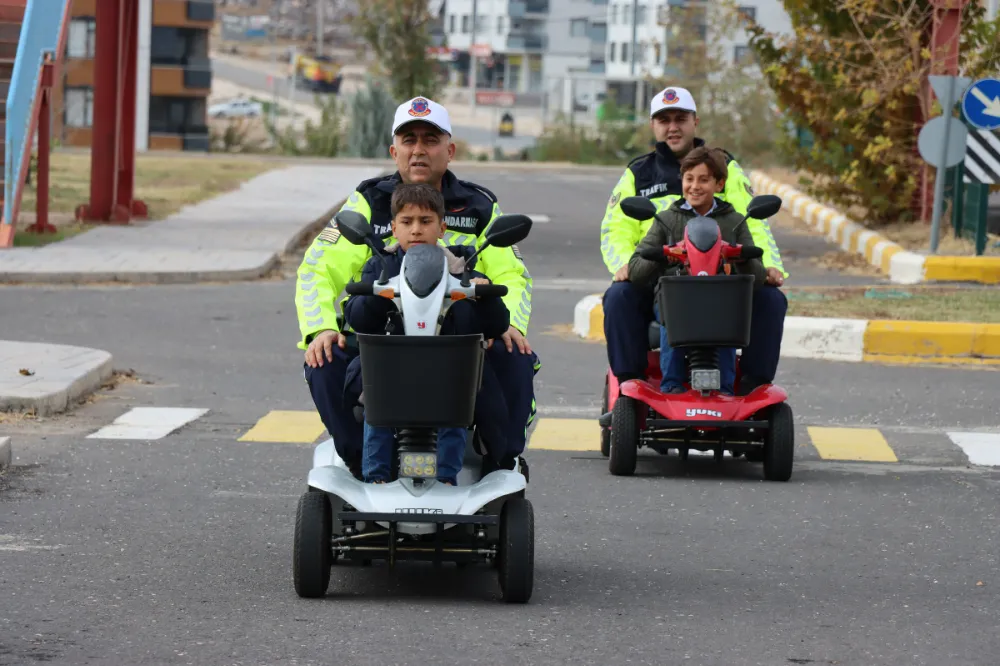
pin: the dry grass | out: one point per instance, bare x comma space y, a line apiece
166, 184
913, 236
976, 305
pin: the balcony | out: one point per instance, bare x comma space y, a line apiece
527, 42
184, 13
528, 8
193, 79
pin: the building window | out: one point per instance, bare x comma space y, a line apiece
749, 12
614, 15
578, 27
640, 14
177, 115
465, 24
80, 42
451, 24
179, 46
500, 24
657, 53
625, 52
611, 51
78, 107
742, 55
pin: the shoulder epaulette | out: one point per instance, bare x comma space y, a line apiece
640, 157
371, 182
476, 186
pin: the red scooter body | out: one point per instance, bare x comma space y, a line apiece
707, 419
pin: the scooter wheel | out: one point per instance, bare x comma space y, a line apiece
312, 556
605, 432
624, 436
516, 550
779, 444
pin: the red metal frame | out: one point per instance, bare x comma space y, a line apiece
112, 153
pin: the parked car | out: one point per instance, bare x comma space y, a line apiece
236, 108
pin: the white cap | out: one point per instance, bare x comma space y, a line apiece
423, 109
672, 98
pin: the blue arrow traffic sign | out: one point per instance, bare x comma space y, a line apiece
981, 104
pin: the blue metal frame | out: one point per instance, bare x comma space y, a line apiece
40, 32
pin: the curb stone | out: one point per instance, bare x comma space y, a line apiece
6, 454
901, 265
79, 372
855, 340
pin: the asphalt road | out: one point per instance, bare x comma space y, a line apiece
257, 80
178, 550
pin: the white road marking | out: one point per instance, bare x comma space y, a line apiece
148, 423
982, 448
540, 219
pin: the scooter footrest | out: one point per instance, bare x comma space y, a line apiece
403, 517
707, 423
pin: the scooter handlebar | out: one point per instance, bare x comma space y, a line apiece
491, 290
359, 289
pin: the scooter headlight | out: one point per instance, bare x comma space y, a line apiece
418, 465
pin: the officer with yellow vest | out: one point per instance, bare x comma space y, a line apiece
628, 310
422, 149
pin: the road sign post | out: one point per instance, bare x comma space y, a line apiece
942, 142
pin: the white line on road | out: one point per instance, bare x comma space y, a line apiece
981, 448
148, 423
540, 219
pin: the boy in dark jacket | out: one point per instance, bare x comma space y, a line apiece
417, 218
703, 175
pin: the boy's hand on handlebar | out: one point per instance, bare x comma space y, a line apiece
479, 280
774, 277
512, 337
321, 348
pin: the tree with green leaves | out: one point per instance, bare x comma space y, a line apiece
398, 32
854, 75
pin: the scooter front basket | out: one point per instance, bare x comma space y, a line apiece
421, 382
706, 310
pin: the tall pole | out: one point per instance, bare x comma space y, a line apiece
473, 61
635, 10
320, 6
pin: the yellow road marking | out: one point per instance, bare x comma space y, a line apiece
566, 435
296, 427
866, 444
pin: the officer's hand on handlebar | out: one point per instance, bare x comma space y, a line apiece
621, 275
478, 280
321, 348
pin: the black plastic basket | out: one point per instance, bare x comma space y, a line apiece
421, 382
706, 310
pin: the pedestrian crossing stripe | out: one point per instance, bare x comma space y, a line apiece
304, 427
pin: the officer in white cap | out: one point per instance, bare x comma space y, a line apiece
422, 149
628, 311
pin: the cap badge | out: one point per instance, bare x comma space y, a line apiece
670, 96
420, 107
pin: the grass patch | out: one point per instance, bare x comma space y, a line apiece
165, 183
976, 305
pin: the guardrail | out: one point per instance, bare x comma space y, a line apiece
42, 36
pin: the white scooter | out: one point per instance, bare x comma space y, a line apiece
418, 382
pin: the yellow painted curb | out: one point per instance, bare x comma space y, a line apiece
596, 331
928, 341
901, 265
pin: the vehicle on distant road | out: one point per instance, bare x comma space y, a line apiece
236, 108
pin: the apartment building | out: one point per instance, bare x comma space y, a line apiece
173, 78
630, 60
512, 36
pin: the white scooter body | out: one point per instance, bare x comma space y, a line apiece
421, 317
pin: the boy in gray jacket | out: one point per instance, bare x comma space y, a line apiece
703, 175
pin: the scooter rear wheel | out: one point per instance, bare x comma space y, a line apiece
312, 556
624, 436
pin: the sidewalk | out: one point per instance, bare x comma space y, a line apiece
239, 235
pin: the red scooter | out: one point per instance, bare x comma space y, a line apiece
704, 308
